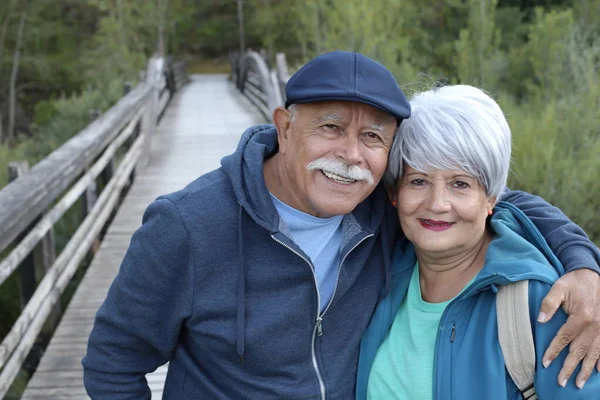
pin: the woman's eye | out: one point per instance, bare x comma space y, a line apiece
372, 135
330, 126
418, 182
461, 185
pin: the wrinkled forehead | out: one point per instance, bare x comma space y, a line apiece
346, 111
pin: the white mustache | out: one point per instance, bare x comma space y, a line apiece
342, 169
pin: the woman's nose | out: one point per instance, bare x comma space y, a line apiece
438, 200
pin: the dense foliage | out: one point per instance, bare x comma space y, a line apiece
540, 58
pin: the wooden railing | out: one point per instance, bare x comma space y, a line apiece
31, 205
265, 88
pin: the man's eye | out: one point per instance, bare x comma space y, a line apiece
418, 182
372, 135
330, 126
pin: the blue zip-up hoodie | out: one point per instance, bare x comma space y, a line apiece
214, 284
468, 361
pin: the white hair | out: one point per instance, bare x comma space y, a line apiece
293, 109
454, 127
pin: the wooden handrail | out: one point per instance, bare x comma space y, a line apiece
22, 200
26, 204
253, 78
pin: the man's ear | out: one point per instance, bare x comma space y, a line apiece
283, 123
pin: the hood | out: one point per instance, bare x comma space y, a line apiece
244, 168
518, 250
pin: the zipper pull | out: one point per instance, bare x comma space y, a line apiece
453, 333
319, 326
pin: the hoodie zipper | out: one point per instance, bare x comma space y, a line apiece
467, 293
474, 288
318, 329
337, 279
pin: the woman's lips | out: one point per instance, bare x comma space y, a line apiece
435, 225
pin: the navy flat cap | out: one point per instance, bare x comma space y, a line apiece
347, 76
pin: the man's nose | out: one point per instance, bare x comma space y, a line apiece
349, 150
438, 198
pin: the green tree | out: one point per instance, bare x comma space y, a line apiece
478, 59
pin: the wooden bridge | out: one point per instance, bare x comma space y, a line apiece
168, 130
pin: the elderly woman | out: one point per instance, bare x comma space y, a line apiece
435, 335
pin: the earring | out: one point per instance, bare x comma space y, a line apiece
394, 203
490, 212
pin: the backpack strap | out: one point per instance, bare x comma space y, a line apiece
516, 337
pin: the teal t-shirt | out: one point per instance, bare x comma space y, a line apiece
403, 366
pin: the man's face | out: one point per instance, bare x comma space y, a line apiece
334, 154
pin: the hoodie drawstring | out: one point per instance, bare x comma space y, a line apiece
241, 306
387, 260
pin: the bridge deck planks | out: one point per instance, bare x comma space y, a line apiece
203, 123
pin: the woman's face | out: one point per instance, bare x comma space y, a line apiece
442, 213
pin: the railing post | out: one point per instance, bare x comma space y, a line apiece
282, 74
148, 126
179, 74
263, 54
34, 266
277, 99
184, 74
170, 76
128, 87
240, 72
91, 193
108, 172
27, 278
235, 59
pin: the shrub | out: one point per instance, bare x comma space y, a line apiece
555, 155
62, 119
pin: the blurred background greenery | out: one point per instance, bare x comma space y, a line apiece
540, 58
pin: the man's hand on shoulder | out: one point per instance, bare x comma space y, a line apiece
578, 292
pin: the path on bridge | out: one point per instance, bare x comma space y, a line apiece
202, 124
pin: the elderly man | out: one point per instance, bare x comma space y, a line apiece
258, 279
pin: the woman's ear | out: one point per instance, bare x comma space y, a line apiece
283, 123
392, 195
491, 203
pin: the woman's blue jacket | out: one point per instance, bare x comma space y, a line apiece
468, 362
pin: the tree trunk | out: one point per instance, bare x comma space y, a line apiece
12, 95
121, 20
317, 28
3, 31
240, 13
161, 7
